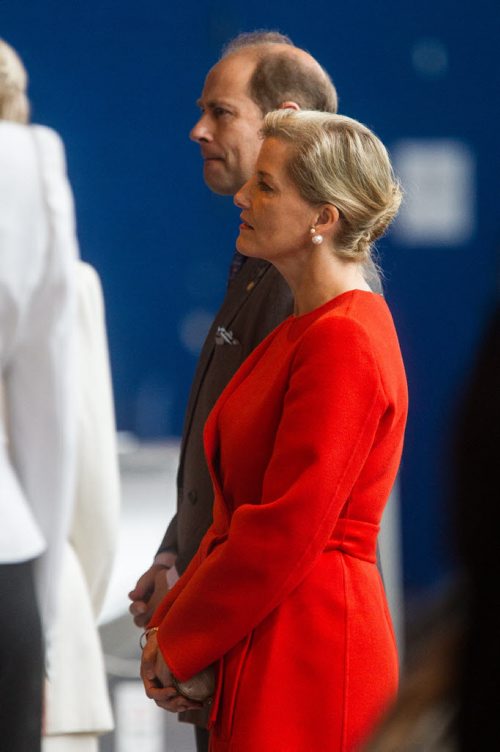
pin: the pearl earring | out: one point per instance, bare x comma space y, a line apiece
316, 239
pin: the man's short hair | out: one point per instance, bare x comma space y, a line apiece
280, 76
254, 38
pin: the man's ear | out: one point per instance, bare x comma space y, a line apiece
289, 105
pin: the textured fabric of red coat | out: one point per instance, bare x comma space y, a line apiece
284, 595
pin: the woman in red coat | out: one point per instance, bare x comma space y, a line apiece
284, 597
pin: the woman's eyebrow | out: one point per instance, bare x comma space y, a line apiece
266, 175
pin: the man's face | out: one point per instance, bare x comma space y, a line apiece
228, 129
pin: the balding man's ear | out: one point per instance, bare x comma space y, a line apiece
289, 105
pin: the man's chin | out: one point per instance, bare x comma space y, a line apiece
220, 188
220, 184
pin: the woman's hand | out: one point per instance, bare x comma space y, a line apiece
158, 680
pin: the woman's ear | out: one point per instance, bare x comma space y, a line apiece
327, 219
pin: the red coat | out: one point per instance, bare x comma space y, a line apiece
284, 594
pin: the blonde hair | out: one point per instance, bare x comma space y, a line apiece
14, 103
336, 160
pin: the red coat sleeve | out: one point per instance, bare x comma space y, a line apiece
332, 408
179, 586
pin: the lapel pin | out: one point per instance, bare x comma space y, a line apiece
225, 337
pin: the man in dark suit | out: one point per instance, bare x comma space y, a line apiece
257, 73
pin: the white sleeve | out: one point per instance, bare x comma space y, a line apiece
96, 516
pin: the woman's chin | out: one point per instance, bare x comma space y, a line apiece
242, 247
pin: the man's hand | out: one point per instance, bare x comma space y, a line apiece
150, 590
157, 680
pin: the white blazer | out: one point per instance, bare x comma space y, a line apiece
77, 697
37, 427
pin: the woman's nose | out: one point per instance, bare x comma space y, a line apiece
241, 198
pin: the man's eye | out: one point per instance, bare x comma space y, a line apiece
220, 111
264, 186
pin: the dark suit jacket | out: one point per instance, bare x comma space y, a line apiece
257, 301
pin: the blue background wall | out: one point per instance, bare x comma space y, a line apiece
119, 82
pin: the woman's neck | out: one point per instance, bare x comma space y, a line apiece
319, 276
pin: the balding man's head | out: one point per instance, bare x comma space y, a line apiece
257, 73
283, 73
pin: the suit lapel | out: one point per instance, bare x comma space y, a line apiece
211, 432
240, 289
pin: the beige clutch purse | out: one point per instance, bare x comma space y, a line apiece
200, 688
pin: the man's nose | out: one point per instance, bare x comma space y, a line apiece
201, 131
